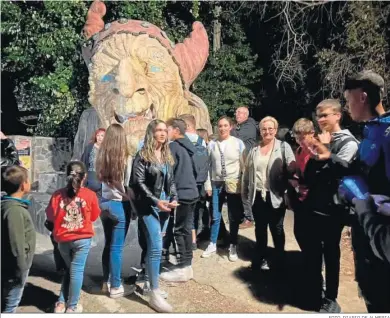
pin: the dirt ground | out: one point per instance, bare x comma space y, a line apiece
219, 286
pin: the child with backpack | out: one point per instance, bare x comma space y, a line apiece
17, 236
72, 210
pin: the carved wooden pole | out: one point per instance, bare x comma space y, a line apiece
216, 29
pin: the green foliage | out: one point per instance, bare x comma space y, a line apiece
41, 50
231, 73
289, 54
42, 53
362, 45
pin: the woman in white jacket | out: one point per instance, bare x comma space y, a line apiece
226, 163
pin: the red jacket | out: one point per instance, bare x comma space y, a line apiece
302, 156
73, 218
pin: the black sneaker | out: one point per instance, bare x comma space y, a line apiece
330, 306
264, 265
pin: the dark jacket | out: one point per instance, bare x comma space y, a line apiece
86, 154
9, 153
147, 182
370, 231
371, 244
182, 150
92, 182
17, 237
247, 132
322, 180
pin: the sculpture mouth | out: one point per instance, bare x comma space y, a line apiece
122, 118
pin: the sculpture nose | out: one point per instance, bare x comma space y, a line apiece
126, 82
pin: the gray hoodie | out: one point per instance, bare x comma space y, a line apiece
347, 151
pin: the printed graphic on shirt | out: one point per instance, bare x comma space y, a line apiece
73, 219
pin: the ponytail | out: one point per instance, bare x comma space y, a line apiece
75, 172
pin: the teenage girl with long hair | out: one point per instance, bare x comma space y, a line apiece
155, 192
113, 168
72, 210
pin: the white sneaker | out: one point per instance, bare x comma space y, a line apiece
106, 288
233, 253
177, 275
158, 303
122, 291
78, 309
189, 272
146, 290
210, 250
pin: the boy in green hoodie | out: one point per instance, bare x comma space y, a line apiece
17, 236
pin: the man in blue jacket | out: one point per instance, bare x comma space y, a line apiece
371, 170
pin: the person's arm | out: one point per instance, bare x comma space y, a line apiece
172, 189
375, 226
50, 211
348, 151
242, 154
16, 232
139, 169
95, 208
290, 160
86, 154
245, 177
340, 167
128, 170
207, 185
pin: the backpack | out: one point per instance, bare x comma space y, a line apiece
201, 162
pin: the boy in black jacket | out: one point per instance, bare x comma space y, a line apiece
326, 213
184, 172
371, 229
17, 237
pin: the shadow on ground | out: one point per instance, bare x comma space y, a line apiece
44, 266
38, 297
285, 285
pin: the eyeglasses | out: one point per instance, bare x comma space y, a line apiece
267, 129
324, 115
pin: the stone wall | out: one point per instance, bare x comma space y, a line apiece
46, 159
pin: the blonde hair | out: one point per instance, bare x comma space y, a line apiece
202, 133
148, 151
303, 126
334, 104
271, 119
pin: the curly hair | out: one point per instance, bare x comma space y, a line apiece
147, 152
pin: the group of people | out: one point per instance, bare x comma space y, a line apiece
331, 180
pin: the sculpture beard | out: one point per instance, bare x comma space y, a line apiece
134, 80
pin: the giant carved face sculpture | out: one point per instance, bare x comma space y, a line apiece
137, 74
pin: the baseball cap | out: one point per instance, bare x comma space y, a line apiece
367, 80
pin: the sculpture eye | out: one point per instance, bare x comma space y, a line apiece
107, 78
155, 69
141, 91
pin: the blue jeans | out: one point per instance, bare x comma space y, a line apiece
152, 226
115, 235
12, 292
235, 211
75, 254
